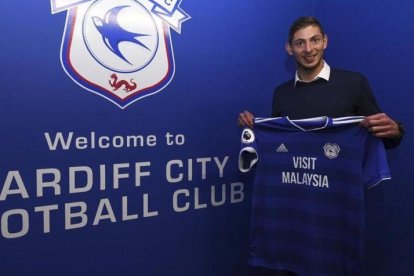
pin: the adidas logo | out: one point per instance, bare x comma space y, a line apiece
282, 148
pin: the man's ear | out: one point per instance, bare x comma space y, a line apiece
325, 41
288, 48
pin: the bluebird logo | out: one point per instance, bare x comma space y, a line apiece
117, 45
120, 50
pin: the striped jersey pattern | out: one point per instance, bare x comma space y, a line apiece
308, 194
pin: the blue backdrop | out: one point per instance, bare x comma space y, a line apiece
375, 38
78, 197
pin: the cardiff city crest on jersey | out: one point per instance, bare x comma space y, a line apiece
120, 49
331, 150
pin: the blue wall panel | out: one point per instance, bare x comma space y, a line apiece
375, 38
225, 58
228, 57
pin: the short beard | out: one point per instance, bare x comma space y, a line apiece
305, 68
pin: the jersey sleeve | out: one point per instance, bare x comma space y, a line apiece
375, 164
248, 153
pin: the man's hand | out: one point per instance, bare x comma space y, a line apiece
380, 125
246, 119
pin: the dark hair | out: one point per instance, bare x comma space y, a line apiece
303, 22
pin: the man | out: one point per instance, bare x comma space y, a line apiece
318, 90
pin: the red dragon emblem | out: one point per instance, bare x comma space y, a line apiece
116, 84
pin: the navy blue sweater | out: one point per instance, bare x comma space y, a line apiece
346, 94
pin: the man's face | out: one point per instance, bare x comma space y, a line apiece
307, 47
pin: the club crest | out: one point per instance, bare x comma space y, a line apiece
120, 49
331, 150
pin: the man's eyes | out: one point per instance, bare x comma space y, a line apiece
299, 43
313, 41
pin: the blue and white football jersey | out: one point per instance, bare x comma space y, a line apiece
308, 195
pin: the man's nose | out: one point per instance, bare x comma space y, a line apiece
308, 46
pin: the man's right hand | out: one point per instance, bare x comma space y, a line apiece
246, 119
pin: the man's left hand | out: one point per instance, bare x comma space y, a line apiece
380, 125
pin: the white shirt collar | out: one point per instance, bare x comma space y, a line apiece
323, 74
